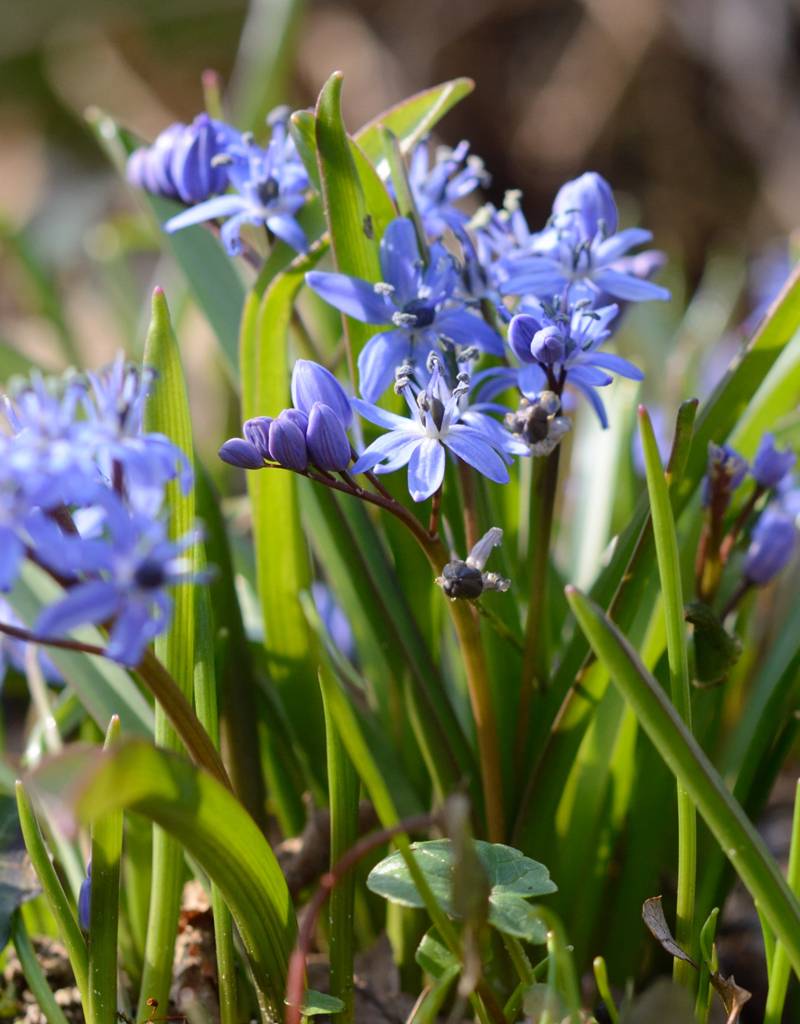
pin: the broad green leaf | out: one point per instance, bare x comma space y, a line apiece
282, 564
211, 826
724, 816
350, 227
18, 881
433, 956
413, 118
513, 879
215, 285
104, 688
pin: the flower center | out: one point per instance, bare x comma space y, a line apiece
268, 191
424, 314
150, 575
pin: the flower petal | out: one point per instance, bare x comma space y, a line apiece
615, 363
626, 286
617, 245
465, 328
87, 602
426, 469
396, 445
471, 447
378, 360
288, 230
352, 296
380, 417
219, 206
399, 259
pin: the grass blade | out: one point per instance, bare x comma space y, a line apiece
725, 818
669, 570
34, 975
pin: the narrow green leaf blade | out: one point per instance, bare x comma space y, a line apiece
211, 825
724, 816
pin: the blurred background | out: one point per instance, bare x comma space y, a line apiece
690, 106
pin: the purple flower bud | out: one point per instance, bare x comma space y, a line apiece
726, 470
256, 431
588, 202
770, 466
548, 346
297, 416
520, 335
771, 546
287, 442
328, 446
149, 168
242, 454
195, 175
313, 383
85, 899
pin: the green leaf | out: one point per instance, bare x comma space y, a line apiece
352, 235
513, 878
413, 118
282, 563
316, 1003
716, 650
433, 956
210, 824
210, 273
104, 688
688, 763
18, 881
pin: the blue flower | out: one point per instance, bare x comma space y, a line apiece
558, 346
85, 899
438, 423
772, 545
334, 620
133, 563
770, 466
269, 190
580, 252
313, 383
726, 471
416, 301
437, 187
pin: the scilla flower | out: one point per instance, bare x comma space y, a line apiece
581, 250
416, 302
771, 465
772, 545
437, 187
435, 426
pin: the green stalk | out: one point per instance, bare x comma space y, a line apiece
708, 964
535, 659
343, 787
669, 570
604, 989
205, 692
779, 975
104, 908
689, 764
34, 975
57, 899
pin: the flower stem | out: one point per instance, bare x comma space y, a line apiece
471, 529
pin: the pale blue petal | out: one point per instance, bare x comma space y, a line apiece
390, 445
352, 296
130, 635
426, 469
11, 553
626, 286
617, 245
589, 376
615, 363
595, 400
211, 209
288, 230
471, 447
378, 360
87, 602
380, 417
464, 328
531, 380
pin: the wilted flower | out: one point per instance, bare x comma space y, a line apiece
416, 301
537, 422
467, 579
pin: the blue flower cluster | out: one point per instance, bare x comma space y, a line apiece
223, 175
82, 495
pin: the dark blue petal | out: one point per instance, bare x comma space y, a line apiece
400, 260
287, 443
314, 383
520, 336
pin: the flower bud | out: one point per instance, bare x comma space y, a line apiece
548, 346
195, 175
771, 546
242, 454
313, 383
770, 466
726, 470
521, 331
85, 899
587, 202
256, 431
328, 446
149, 167
287, 442
297, 416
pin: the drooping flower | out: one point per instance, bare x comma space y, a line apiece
436, 425
557, 346
580, 252
772, 545
417, 302
771, 465
437, 186
269, 190
133, 564
467, 579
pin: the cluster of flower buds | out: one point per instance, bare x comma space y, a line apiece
537, 422
312, 433
184, 161
467, 578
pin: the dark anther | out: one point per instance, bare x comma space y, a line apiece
462, 580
